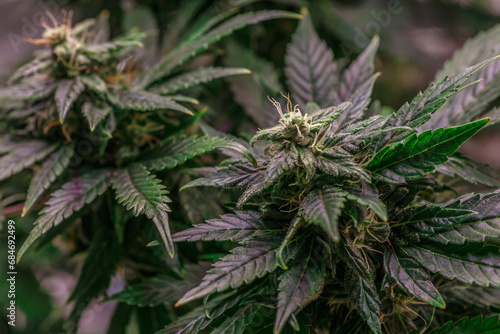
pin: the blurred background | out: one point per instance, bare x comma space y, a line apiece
417, 37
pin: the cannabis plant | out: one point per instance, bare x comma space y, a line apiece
345, 225
86, 117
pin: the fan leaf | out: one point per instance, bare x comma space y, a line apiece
253, 259
417, 154
54, 166
66, 201
300, 284
196, 77
310, 70
67, 92
142, 193
323, 208
472, 263
410, 276
23, 156
234, 227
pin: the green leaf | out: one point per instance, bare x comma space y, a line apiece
323, 208
66, 201
184, 52
467, 105
473, 228
471, 264
233, 176
429, 218
95, 83
68, 90
47, 174
364, 295
172, 153
121, 317
351, 255
97, 270
145, 101
23, 156
369, 197
35, 66
356, 83
343, 168
421, 108
142, 193
476, 325
417, 154
202, 316
242, 321
29, 92
235, 227
300, 284
95, 114
470, 170
106, 50
409, 275
160, 289
281, 163
253, 259
196, 77
488, 298
310, 70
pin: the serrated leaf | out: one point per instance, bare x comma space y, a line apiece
172, 153
145, 101
421, 108
470, 170
95, 83
68, 90
184, 52
241, 321
142, 193
33, 67
253, 259
66, 201
95, 114
368, 196
97, 270
356, 83
23, 156
364, 295
300, 284
310, 70
473, 228
196, 77
472, 263
476, 325
233, 176
341, 168
323, 208
105, 50
417, 154
410, 276
47, 174
281, 163
27, 92
235, 227
469, 104
429, 218
354, 259
202, 316
488, 298
160, 289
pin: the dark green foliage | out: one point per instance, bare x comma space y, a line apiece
345, 212
94, 118
342, 217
